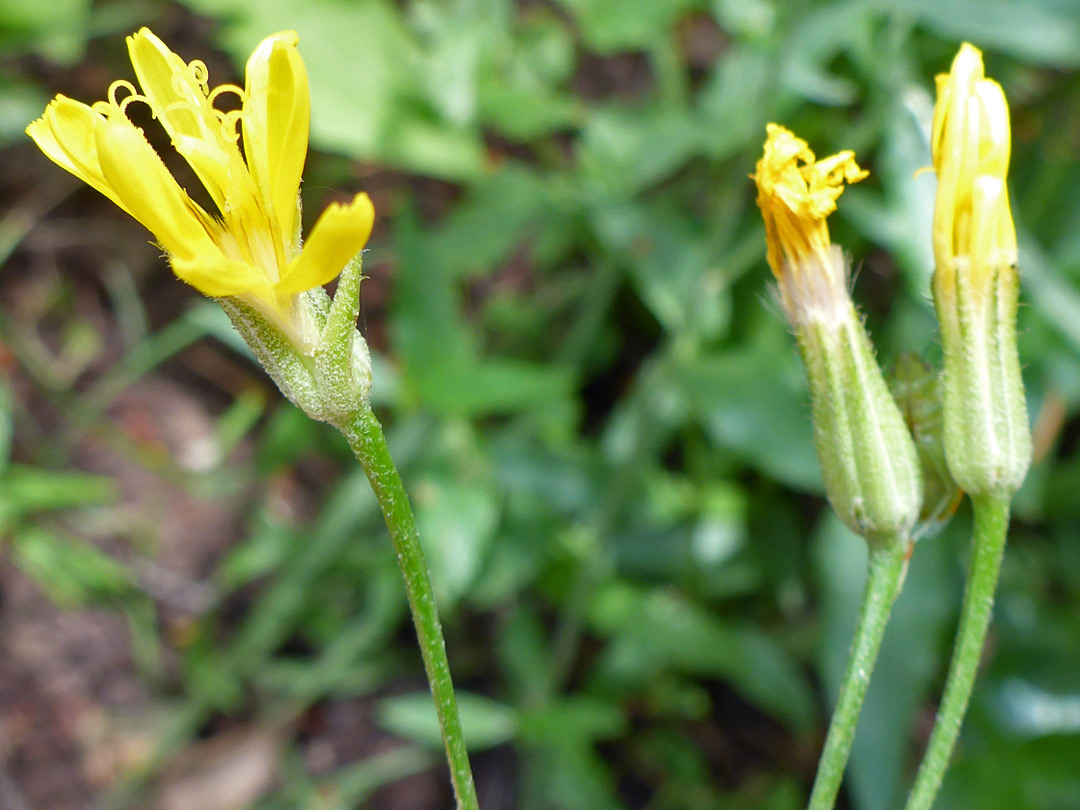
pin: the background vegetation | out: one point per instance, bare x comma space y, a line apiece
593, 398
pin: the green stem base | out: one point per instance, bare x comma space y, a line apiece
988, 547
887, 567
365, 437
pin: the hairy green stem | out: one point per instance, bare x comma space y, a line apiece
886, 576
987, 549
365, 436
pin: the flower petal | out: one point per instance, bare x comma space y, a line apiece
225, 179
65, 133
171, 86
970, 149
148, 192
796, 194
178, 93
218, 276
339, 234
276, 118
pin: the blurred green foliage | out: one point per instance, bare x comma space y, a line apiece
597, 410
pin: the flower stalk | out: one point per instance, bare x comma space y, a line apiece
976, 288
888, 566
365, 437
987, 550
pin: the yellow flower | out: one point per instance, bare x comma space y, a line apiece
248, 245
976, 283
973, 224
796, 194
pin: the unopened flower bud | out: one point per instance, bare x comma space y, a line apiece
867, 456
916, 387
976, 284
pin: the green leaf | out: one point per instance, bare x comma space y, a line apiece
497, 214
441, 356
653, 630
365, 68
735, 98
625, 150
998, 773
521, 86
752, 401
523, 654
905, 205
619, 25
27, 490
573, 721
457, 521
1056, 299
672, 264
73, 573
1028, 710
57, 29
750, 18
261, 553
486, 723
20, 103
1044, 32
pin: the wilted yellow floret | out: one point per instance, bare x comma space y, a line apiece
867, 458
250, 245
796, 194
970, 147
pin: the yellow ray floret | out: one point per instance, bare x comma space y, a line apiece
970, 147
796, 194
250, 245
